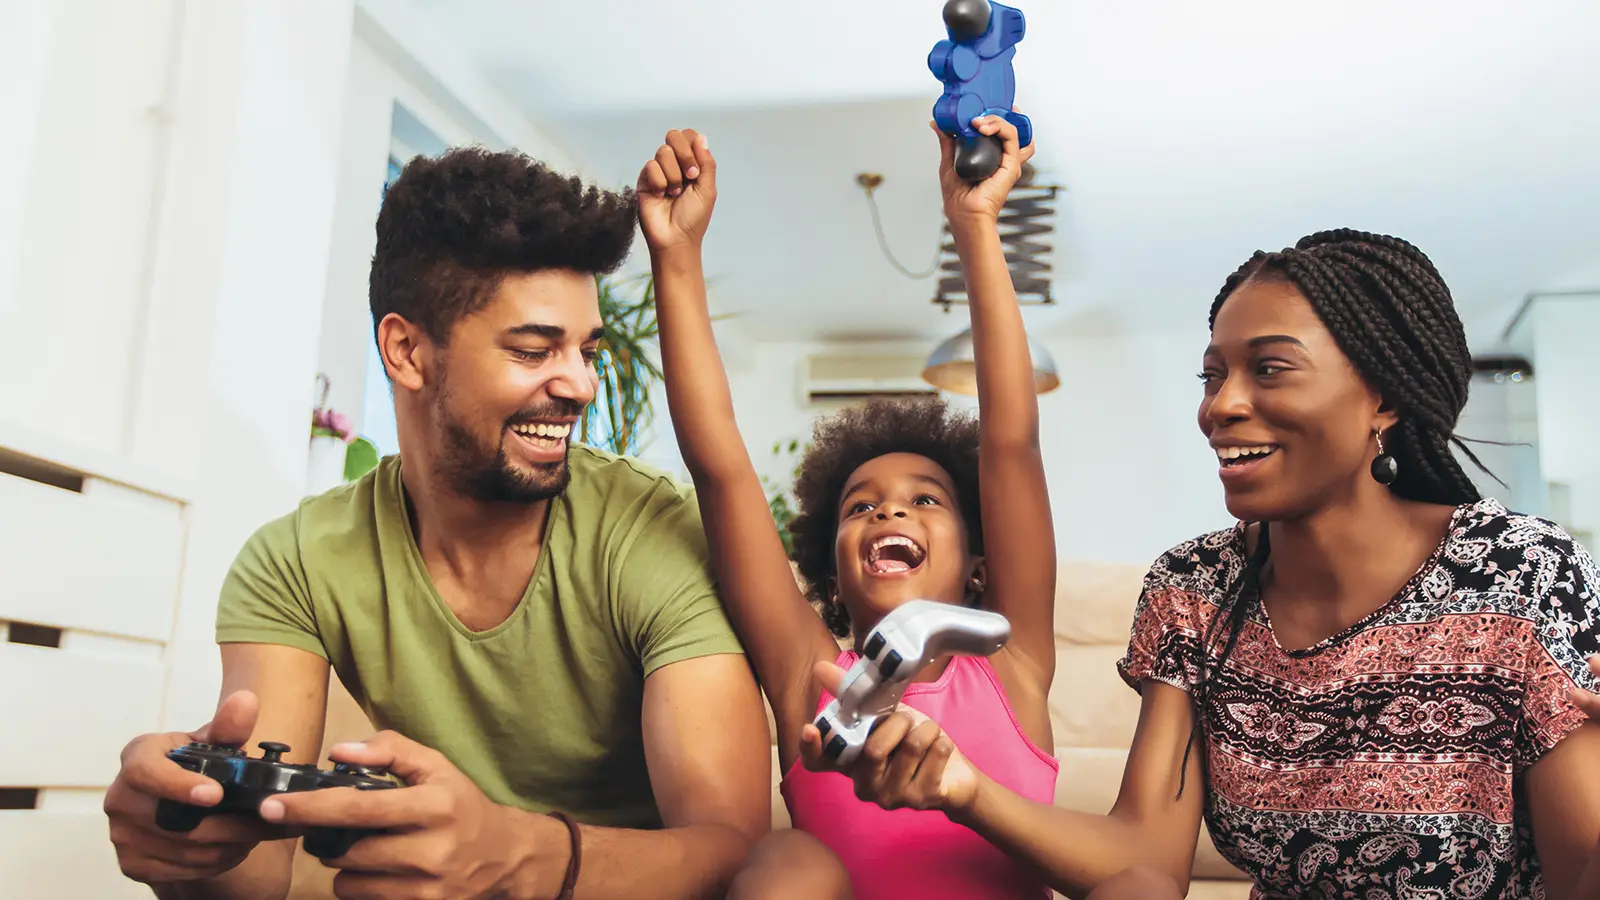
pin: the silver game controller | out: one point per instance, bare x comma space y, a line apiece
908, 639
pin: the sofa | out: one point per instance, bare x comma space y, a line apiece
1092, 713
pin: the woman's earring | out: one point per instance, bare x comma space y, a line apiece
1384, 467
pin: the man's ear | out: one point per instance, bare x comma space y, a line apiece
408, 353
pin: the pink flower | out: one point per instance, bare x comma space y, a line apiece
332, 424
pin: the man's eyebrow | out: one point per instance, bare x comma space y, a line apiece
553, 332
538, 329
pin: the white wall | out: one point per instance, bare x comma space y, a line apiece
1567, 381
167, 224
407, 91
273, 225
1129, 473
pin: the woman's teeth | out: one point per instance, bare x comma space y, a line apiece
1226, 455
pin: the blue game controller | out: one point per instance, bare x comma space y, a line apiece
975, 66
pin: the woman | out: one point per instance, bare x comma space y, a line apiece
1375, 685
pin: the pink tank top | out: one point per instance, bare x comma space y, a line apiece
920, 853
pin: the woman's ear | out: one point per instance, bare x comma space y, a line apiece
1385, 416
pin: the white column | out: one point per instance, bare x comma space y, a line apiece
1567, 381
265, 92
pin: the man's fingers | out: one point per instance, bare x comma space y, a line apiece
208, 857
147, 770
395, 753
139, 810
145, 855
417, 853
411, 807
350, 885
235, 719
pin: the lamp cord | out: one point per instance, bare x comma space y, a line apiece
877, 226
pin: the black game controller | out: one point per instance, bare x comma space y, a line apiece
246, 782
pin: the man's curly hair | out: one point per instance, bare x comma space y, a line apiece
452, 227
842, 443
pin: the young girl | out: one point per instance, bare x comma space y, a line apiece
890, 511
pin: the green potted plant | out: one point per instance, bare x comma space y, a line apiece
779, 500
620, 417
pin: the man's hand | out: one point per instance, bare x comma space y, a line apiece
677, 190
447, 839
984, 200
149, 854
907, 762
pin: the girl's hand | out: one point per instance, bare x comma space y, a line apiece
984, 199
908, 761
677, 190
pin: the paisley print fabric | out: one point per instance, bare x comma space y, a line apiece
1385, 762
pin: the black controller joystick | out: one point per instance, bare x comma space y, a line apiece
246, 782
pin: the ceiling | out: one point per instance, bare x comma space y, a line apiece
1186, 136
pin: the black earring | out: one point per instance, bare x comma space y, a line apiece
1384, 467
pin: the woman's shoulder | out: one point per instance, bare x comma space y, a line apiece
1203, 564
1525, 562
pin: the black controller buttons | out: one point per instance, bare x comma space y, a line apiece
214, 749
889, 664
874, 644
359, 771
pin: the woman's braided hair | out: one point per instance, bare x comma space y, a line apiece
1390, 312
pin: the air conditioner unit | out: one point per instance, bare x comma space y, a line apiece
837, 379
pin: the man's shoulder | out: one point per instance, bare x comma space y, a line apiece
326, 525
615, 481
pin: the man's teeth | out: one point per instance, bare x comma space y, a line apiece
1227, 453
544, 432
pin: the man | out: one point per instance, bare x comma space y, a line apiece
533, 622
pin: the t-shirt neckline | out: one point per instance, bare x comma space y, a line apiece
398, 504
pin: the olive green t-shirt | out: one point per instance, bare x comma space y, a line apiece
541, 711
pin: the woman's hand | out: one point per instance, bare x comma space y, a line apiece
908, 761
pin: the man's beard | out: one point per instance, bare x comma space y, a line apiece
487, 475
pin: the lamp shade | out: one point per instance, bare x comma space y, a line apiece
951, 367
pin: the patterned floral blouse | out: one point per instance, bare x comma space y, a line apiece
1386, 762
